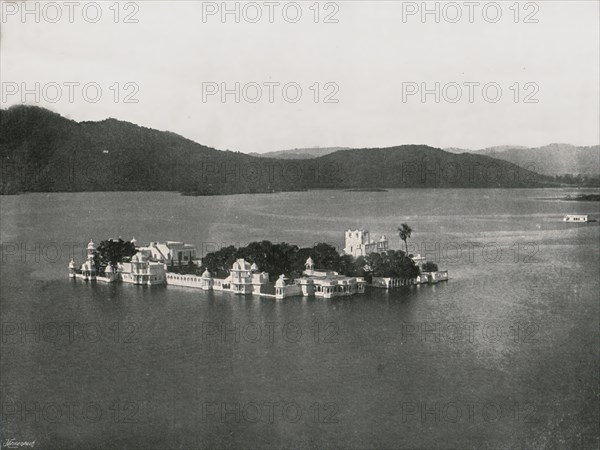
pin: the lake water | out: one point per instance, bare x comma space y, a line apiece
504, 355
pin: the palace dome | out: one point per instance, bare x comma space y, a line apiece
241, 265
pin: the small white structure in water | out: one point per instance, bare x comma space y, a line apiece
434, 277
581, 218
328, 284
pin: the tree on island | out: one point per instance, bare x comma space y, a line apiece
274, 259
218, 263
430, 267
283, 258
113, 252
351, 267
192, 267
325, 257
393, 264
184, 269
360, 267
404, 232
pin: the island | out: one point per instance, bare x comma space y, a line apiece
582, 198
266, 269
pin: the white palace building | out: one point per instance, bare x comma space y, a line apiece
359, 243
245, 279
170, 252
142, 269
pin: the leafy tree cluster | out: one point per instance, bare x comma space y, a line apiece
393, 263
184, 269
219, 262
579, 180
289, 259
430, 267
272, 258
112, 252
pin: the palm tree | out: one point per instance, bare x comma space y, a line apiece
404, 232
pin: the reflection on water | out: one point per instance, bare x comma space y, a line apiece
504, 355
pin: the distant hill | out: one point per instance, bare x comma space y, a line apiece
552, 160
501, 148
424, 166
300, 153
41, 151
496, 148
457, 150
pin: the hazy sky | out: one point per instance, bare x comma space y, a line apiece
376, 52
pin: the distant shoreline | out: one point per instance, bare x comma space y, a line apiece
366, 190
580, 197
575, 198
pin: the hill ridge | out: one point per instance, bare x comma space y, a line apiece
42, 151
